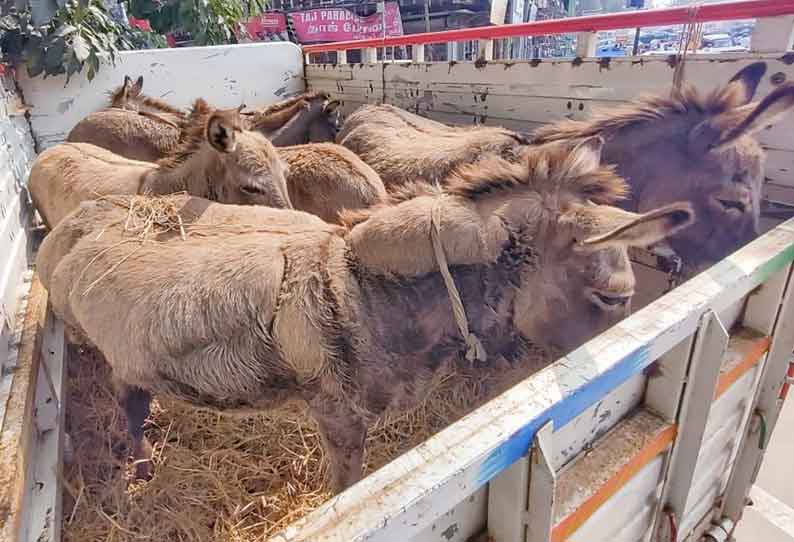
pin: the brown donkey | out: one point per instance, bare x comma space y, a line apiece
325, 179
141, 127
135, 126
308, 118
216, 159
356, 321
130, 96
694, 147
403, 147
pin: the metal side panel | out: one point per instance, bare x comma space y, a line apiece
628, 515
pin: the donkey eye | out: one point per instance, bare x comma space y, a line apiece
252, 190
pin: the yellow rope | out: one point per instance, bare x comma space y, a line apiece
475, 351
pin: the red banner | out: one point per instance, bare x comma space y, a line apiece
338, 24
267, 27
140, 24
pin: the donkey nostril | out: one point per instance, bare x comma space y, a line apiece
728, 204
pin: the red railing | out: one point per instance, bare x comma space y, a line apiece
726, 11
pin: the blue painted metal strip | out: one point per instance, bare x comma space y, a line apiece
565, 410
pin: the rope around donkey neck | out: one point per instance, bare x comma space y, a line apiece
475, 351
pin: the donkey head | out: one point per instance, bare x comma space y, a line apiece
697, 148
125, 96
238, 166
576, 279
720, 168
327, 123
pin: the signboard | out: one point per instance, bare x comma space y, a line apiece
339, 24
267, 27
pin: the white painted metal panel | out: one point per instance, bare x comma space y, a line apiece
225, 75
571, 439
460, 523
628, 514
719, 443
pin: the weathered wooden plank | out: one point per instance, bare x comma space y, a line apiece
43, 489
17, 431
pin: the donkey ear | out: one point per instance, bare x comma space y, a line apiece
221, 132
646, 229
742, 86
586, 153
767, 112
127, 82
138, 86
745, 120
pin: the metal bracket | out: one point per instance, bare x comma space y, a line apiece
709, 349
542, 483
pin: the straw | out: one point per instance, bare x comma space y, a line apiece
218, 477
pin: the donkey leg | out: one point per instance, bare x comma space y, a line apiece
135, 403
343, 433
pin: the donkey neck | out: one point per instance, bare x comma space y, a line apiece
296, 130
413, 316
194, 175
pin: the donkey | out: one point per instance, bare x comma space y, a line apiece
401, 147
130, 96
136, 126
355, 322
311, 117
216, 159
325, 179
695, 147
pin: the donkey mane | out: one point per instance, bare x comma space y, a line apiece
157, 103
193, 133
554, 169
308, 96
646, 108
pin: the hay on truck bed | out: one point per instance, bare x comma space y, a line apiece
216, 477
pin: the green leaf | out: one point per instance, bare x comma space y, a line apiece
53, 57
34, 62
81, 48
